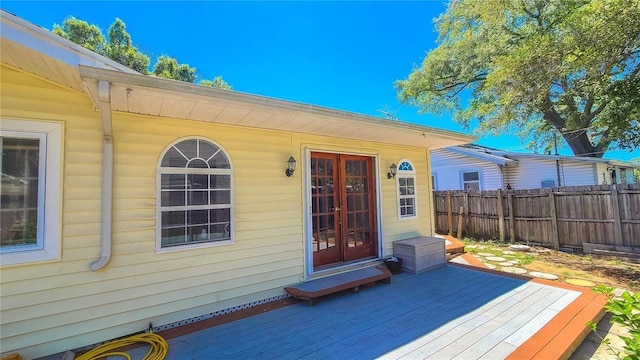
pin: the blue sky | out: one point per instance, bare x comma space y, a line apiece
342, 55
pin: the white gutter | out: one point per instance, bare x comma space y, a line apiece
104, 105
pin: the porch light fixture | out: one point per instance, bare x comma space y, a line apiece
393, 169
291, 166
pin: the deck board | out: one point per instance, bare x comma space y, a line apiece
448, 312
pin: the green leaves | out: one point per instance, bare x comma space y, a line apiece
119, 47
168, 67
625, 311
81, 33
563, 63
217, 82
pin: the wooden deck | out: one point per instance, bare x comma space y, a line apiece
452, 312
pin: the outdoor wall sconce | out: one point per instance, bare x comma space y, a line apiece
291, 166
393, 169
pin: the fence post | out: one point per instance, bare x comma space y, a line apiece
466, 212
500, 216
449, 213
436, 222
617, 230
460, 220
512, 219
554, 221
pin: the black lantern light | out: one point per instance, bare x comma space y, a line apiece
291, 166
393, 169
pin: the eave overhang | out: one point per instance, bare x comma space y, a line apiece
500, 160
153, 96
36, 50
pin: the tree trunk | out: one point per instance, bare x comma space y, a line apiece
581, 145
578, 140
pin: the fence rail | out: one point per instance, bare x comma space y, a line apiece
561, 217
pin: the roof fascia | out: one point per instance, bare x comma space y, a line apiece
572, 158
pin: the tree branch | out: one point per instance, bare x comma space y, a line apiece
603, 144
554, 118
598, 110
464, 84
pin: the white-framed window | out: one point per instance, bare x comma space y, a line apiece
30, 192
195, 196
406, 185
471, 180
623, 176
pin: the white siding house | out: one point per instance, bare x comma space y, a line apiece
477, 167
451, 168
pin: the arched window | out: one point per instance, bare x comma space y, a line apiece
196, 197
406, 184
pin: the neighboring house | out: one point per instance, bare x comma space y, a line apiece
129, 199
481, 168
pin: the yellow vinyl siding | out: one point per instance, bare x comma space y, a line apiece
52, 307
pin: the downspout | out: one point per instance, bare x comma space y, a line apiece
431, 204
104, 105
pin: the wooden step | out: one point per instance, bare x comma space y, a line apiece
310, 291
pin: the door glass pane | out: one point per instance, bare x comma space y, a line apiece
323, 204
322, 167
362, 220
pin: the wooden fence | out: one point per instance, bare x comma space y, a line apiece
561, 217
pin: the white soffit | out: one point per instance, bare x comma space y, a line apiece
147, 95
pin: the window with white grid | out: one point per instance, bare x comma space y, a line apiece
195, 196
406, 185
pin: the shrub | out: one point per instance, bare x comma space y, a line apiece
626, 312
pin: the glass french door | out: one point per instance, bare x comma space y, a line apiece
343, 208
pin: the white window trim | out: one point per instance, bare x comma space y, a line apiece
49, 205
466, 171
407, 174
159, 172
